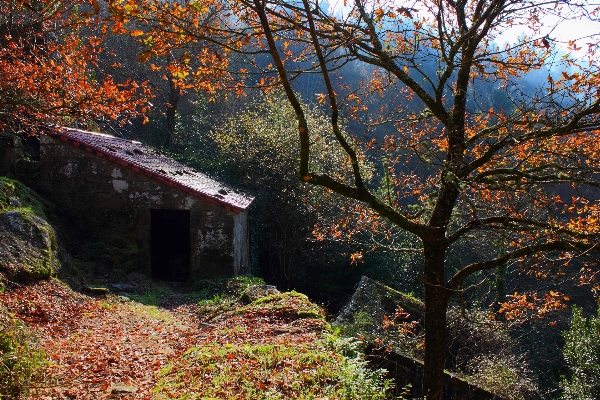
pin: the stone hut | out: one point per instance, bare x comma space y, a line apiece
176, 222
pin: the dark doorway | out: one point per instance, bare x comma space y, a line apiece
170, 245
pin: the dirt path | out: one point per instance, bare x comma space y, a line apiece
102, 348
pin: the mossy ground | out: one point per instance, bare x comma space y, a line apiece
16, 196
21, 357
197, 341
270, 371
269, 353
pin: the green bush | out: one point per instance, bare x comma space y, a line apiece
20, 358
582, 354
217, 296
255, 151
207, 289
507, 376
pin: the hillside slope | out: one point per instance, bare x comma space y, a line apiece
114, 347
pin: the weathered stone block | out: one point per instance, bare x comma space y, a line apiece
110, 201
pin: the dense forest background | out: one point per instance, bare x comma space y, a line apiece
246, 141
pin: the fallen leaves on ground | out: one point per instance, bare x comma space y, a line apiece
111, 348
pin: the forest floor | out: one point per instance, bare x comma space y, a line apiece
110, 346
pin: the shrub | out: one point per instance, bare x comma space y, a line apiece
217, 296
582, 354
20, 358
507, 376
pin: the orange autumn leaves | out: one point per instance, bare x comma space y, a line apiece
48, 69
194, 38
531, 306
515, 171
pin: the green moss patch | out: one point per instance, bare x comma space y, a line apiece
270, 371
293, 304
16, 196
28, 245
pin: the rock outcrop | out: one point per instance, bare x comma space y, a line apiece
28, 245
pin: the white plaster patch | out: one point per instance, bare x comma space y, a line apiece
116, 173
208, 219
212, 239
189, 202
144, 197
240, 251
68, 169
137, 195
120, 185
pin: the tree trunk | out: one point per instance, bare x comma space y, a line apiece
174, 97
436, 303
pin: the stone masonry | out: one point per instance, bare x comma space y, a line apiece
110, 186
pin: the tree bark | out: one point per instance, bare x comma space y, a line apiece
171, 113
436, 303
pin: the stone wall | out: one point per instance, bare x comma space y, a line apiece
405, 370
115, 202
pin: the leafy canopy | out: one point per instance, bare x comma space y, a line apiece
47, 68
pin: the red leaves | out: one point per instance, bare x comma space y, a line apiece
185, 28
47, 303
545, 43
145, 56
93, 344
356, 258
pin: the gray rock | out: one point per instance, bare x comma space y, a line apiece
255, 292
14, 202
28, 247
122, 286
97, 290
122, 389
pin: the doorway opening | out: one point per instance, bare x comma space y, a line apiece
170, 245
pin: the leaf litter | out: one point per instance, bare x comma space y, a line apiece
107, 347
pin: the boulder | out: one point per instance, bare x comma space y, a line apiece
376, 300
28, 246
255, 292
390, 324
123, 389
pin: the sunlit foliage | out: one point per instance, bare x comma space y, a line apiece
47, 73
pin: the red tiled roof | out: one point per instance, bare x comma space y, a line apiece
145, 160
